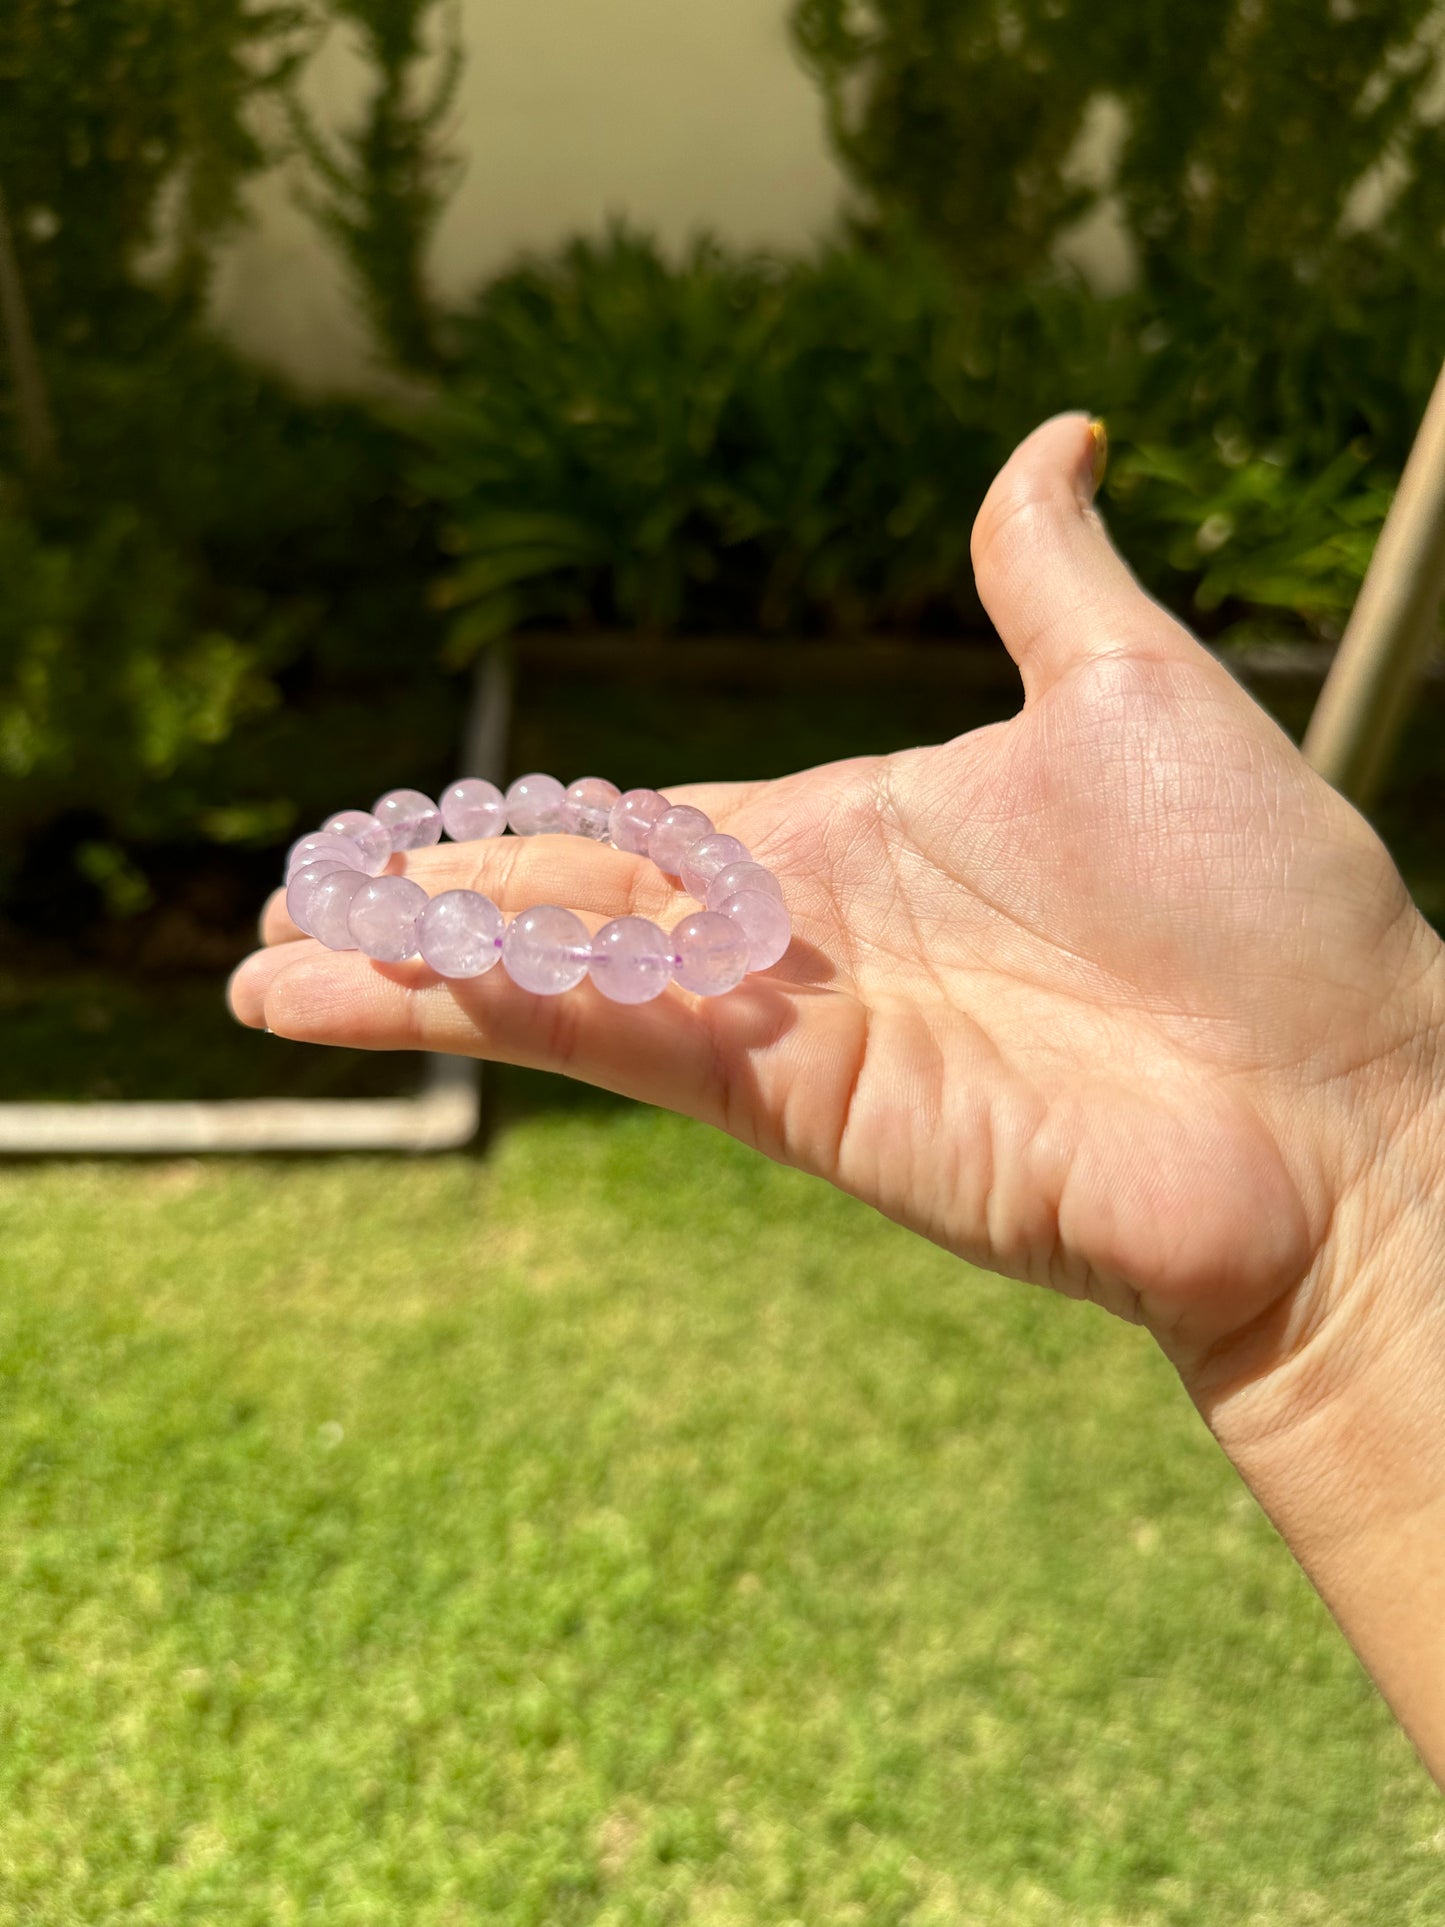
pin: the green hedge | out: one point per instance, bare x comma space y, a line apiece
733, 442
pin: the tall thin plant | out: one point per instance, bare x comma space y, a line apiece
384, 183
127, 132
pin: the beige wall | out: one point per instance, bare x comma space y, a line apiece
677, 113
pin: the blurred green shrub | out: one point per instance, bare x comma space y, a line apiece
111, 674
1286, 146
728, 442
1250, 535
586, 450
1275, 174
735, 442
125, 140
215, 556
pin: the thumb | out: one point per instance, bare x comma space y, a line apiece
1053, 584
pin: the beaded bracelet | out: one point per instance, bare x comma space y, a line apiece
336, 892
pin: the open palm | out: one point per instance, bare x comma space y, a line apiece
1083, 996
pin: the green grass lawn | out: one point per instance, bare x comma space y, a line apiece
620, 1530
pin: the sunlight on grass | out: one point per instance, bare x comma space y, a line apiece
623, 1530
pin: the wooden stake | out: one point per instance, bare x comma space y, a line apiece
1366, 697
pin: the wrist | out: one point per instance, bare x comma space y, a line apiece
1348, 1460
1375, 1292
1341, 1436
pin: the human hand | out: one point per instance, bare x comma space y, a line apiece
1116, 996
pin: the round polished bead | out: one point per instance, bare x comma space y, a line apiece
318, 843
534, 805
546, 950
329, 908
706, 857
473, 808
588, 808
765, 925
712, 953
631, 960
368, 833
410, 819
301, 886
460, 933
632, 819
735, 877
384, 915
673, 836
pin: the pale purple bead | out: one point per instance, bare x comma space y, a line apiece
384, 915
546, 950
588, 808
631, 960
764, 923
736, 877
329, 908
460, 933
632, 819
410, 819
323, 843
534, 805
368, 833
473, 808
706, 857
673, 836
713, 953
301, 885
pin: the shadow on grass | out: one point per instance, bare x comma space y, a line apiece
90, 1035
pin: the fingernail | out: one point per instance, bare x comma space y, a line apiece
1098, 450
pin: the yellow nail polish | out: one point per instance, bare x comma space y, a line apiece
1098, 450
